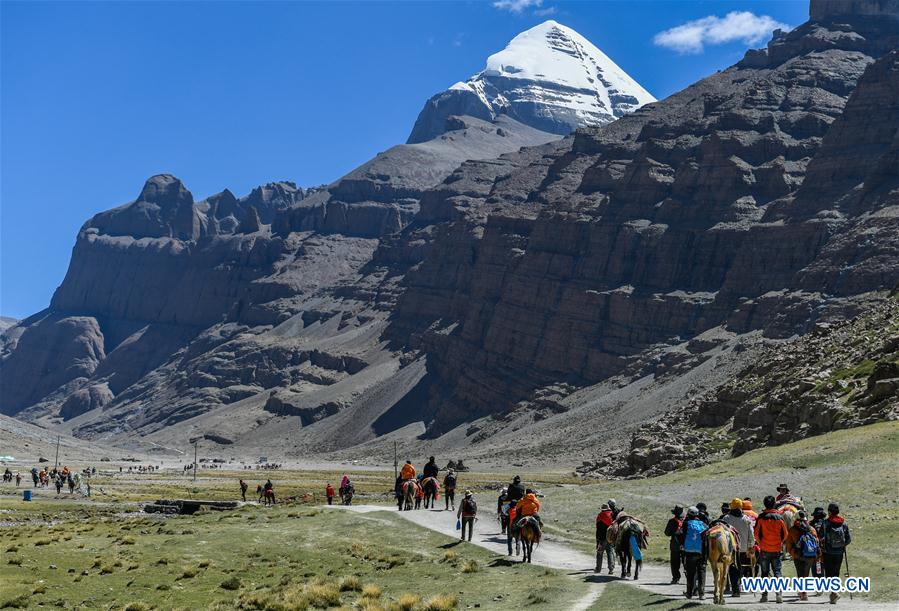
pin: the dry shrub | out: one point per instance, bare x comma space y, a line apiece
371, 590
442, 602
350, 583
406, 602
471, 566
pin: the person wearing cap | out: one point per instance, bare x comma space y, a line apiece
468, 511
770, 532
690, 539
804, 547
603, 521
671, 528
502, 509
748, 511
782, 492
743, 526
529, 506
516, 489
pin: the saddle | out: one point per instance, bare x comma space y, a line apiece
723, 529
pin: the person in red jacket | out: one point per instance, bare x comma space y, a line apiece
603, 521
329, 492
770, 533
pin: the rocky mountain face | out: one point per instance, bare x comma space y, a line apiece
840, 375
549, 77
465, 292
724, 205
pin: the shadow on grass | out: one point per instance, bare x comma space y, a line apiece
450, 545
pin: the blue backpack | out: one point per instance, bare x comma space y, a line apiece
807, 546
693, 536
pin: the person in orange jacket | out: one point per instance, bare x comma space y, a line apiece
408, 471
770, 533
329, 492
529, 506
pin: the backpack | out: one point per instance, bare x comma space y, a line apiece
835, 537
807, 546
469, 506
693, 536
450, 482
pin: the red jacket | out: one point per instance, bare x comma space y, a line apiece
604, 517
329, 491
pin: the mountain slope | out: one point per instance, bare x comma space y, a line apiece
549, 77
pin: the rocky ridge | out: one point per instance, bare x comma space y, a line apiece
841, 375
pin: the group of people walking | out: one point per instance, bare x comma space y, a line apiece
816, 544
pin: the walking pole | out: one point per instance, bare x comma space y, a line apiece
846, 558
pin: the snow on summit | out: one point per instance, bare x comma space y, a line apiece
549, 77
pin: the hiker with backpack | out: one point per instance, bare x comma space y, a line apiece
819, 517
836, 538
690, 538
770, 532
743, 526
804, 547
449, 490
674, 524
468, 511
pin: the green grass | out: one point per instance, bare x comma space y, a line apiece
621, 596
261, 558
857, 468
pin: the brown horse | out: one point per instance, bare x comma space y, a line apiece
628, 535
530, 535
430, 486
410, 489
722, 551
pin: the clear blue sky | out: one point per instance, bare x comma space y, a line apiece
96, 97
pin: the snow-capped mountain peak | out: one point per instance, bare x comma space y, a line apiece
549, 77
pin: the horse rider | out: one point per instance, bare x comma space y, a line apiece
408, 471
529, 506
468, 511
804, 547
743, 527
603, 547
770, 532
690, 538
502, 509
516, 489
613, 506
836, 538
674, 524
449, 489
430, 469
782, 492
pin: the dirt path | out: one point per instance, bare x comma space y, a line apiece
578, 565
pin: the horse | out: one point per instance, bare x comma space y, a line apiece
722, 550
530, 535
789, 508
410, 489
430, 486
628, 535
